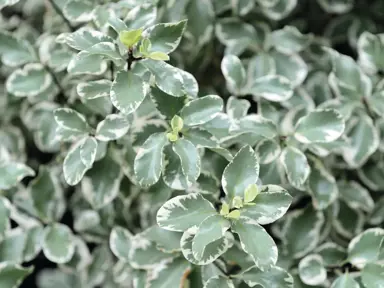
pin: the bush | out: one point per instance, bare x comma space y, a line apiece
121, 167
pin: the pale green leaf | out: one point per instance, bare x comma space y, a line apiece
73, 167
78, 10
345, 281
12, 275
275, 277
131, 37
201, 110
274, 88
234, 73
70, 119
219, 282
296, 165
312, 271
120, 243
58, 244
113, 127
373, 275
11, 173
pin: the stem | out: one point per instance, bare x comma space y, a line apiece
61, 97
58, 11
366, 105
132, 58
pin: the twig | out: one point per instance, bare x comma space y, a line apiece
132, 58
58, 11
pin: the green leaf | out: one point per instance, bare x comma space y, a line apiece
183, 212
11, 173
356, 196
177, 123
270, 204
371, 50
241, 172
12, 275
201, 110
101, 184
373, 275
131, 37
274, 88
73, 167
336, 6
237, 108
120, 243
312, 271
289, 40
364, 141
167, 78
219, 282
14, 51
94, 89
210, 230
345, 281
173, 174
4, 216
263, 251
234, 73
321, 185
108, 51
255, 124
277, 10
321, 126
160, 56
189, 159
365, 247
274, 277
250, 193
149, 159
296, 165
165, 37
88, 151
333, 254
83, 38
166, 104
348, 222
128, 92
87, 63
58, 244
29, 81
70, 119
78, 10
166, 241
212, 251
234, 215
268, 150
113, 127
169, 273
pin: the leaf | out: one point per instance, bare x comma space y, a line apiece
301, 232
348, 222
78, 10
73, 167
263, 251
201, 110
189, 159
234, 73
183, 212
169, 273
120, 243
333, 254
296, 165
14, 51
168, 78
337, 7
58, 244
12, 275
101, 185
237, 108
321, 126
173, 174
278, 10
372, 275
191, 86
219, 282
108, 51
128, 92
166, 241
365, 247
371, 50
210, 230
267, 150
29, 81
113, 127
83, 38
345, 281
274, 277
11, 173
165, 37
149, 159
166, 104
212, 251
270, 204
88, 151
4, 216
364, 141
356, 196
255, 124
272, 87
160, 56
241, 172
131, 37
70, 119
87, 63
94, 89
312, 271
289, 40
321, 185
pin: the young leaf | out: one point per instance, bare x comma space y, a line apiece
158, 56
201, 110
131, 37
183, 212
256, 242
128, 92
321, 126
241, 172
58, 245
234, 215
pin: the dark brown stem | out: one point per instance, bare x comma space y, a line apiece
132, 58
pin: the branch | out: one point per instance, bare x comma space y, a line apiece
132, 58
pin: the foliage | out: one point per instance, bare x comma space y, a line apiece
122, 165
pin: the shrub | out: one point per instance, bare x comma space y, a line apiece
120, 166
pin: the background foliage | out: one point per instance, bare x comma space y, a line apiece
191, 143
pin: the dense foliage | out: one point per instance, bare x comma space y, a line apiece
191, 143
